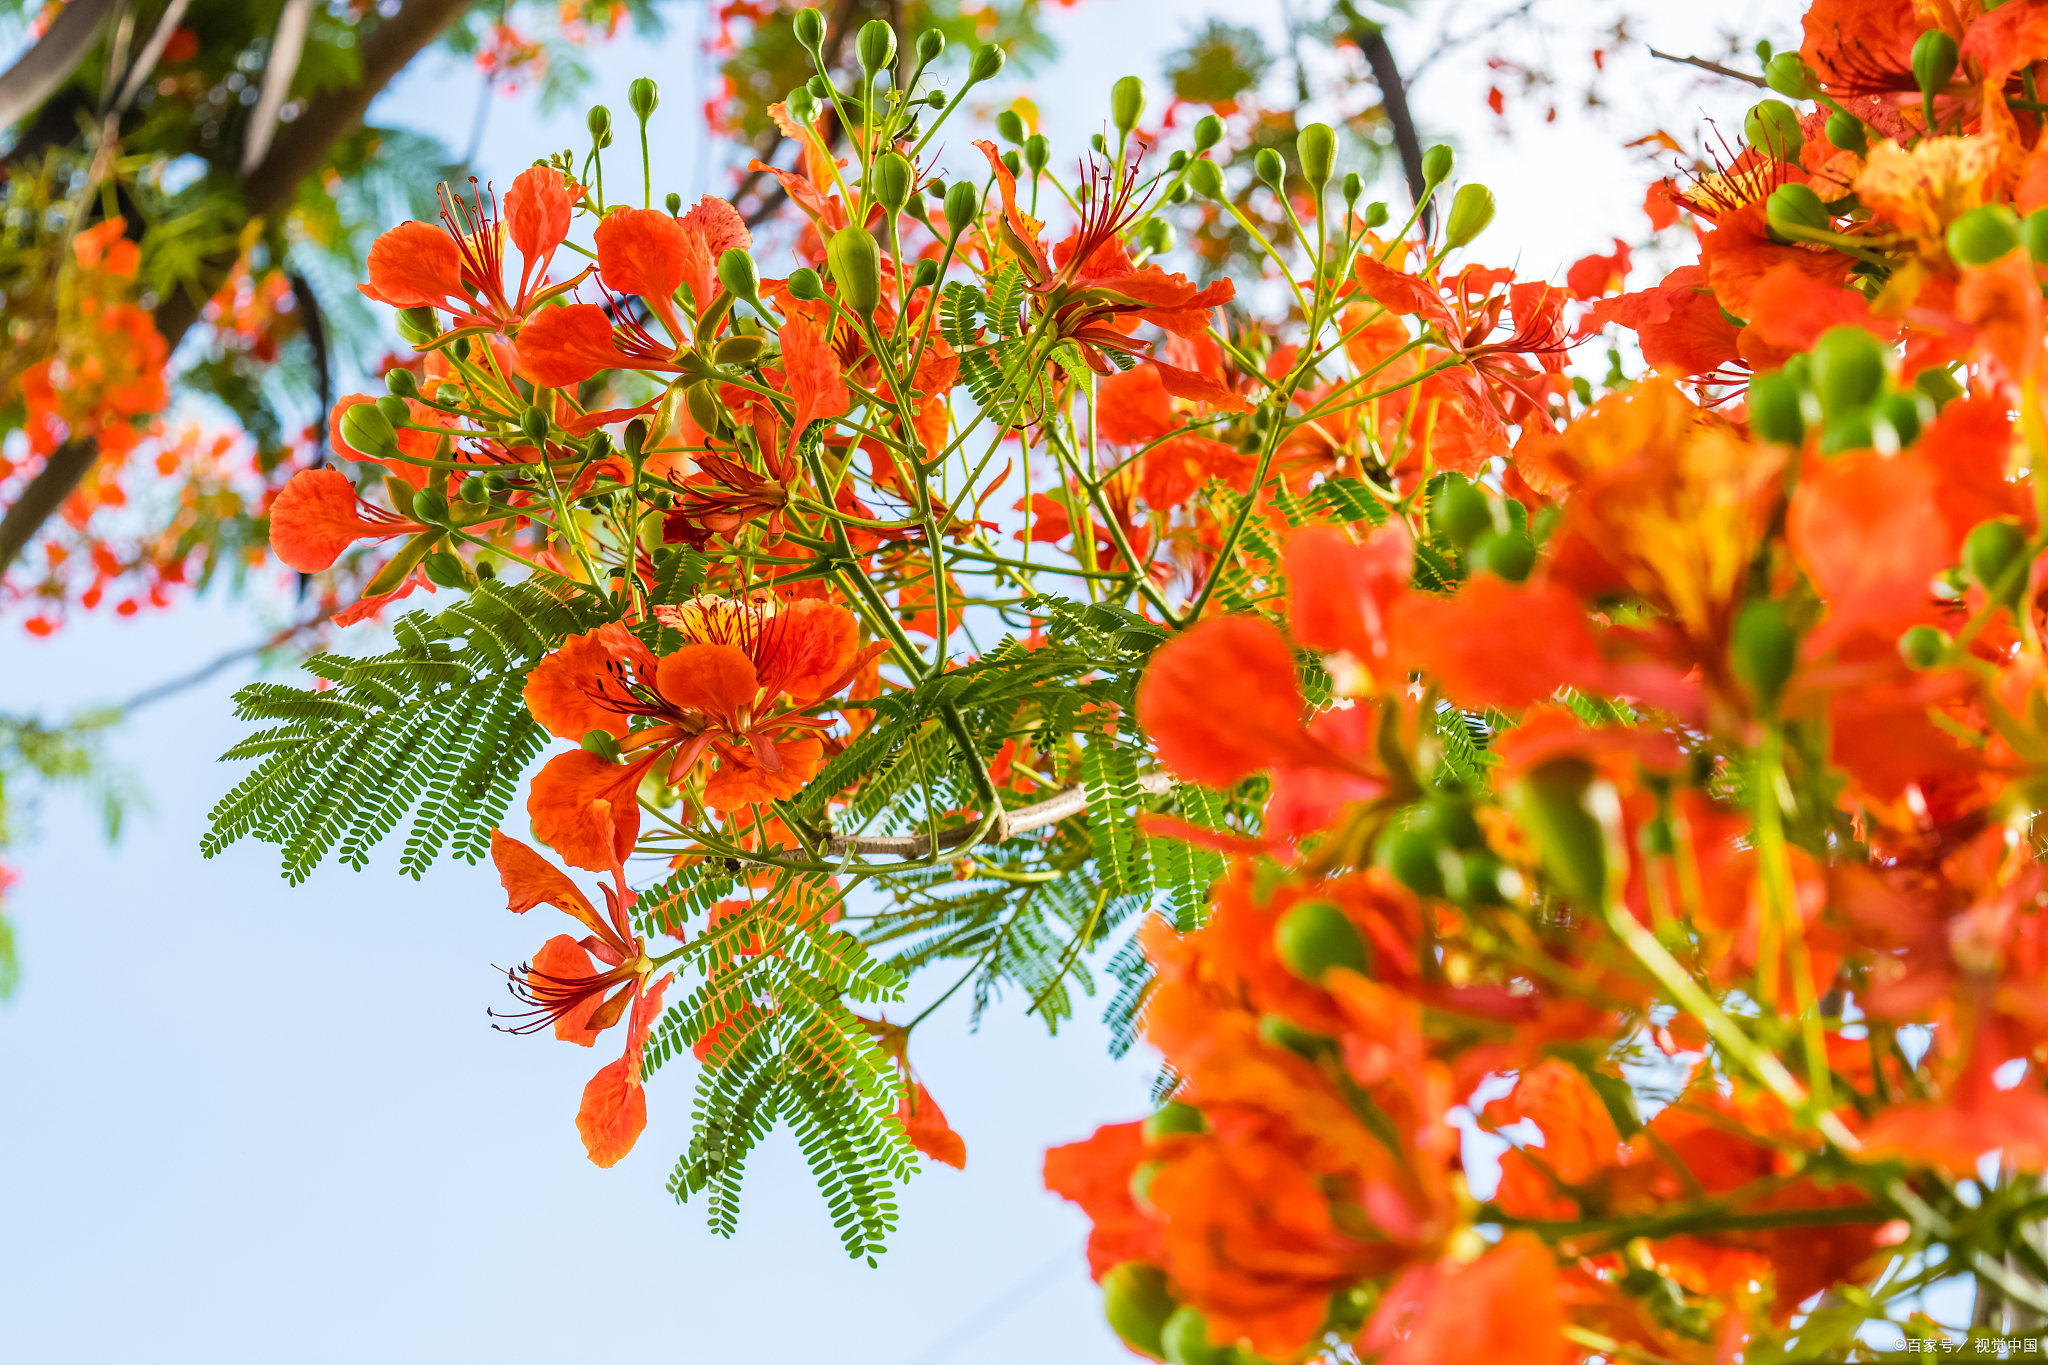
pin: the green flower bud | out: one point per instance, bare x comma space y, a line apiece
445, 570
1906, 412
1990, 553
737, 273
1556, 811
804, 285
534, 423
1014, 164
931, 44
810, 28
474, 492
889, 179
641, 96
1208, 132
743, 350
675, 205
368, 431
1411, 857
395, 410
1037, 152
1924, 647
1939, 386
430, 507
1504, 554
1376, 214
1437, 164
1156, 236
1185, 1339
1271, 167
1137, 1304
603, 743
1471, 210
1763, 648
1934, 62
1206, 179
856, 268
925, 275
402, 382
1772, 127
1461, 511
963, 206
495, 482
1846, 132
599, 121
1316, 147
987, 64
1126, 104
800, 106
1983, 235
1174, 1118
419, 325
1848, 369
1796, 206
1354, 188
1788, 75
1855, 429
820, 88
1774, 409
1315, 936
1010, 126
935, 99
876, 46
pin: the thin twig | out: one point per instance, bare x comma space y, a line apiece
1052, 810
1719, 70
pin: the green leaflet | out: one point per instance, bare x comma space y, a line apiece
437, 728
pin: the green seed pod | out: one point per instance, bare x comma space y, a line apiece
1315, 936
395, 410
1555, 810
1934, 62
1316, 148
599, 121
1848, 369
1796, 206
805, 286
1137, 1304
1126, 104
1774, 409
876, 46
368, 431
1208, 132
1907, 412
1763, 649
1010, 126
402, 382
419, 325
1270, 167
856, 268
445, 570
1437, 164
810, 28
963, 206
534, 423
736, 271
642, 96
1788, 75
1989, 553
1471, 210
931, 45
801, 106
1037, 152
2033, 234
1504, 554
1461, 511
1206, 179
1846, 132
890, 179
474, 492
1983, 235
1923, 647
987, 64
430, 507
739, 350
1174, 1118
1772, 127
1185, 1340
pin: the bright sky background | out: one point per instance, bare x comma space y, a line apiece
251, 1122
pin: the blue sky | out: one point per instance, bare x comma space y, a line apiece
253, 1122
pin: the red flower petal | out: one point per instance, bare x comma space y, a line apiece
414, 265
559, 347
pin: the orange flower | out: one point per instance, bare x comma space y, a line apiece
318, 515
460, 266
579, 999
732, 693
1504, 1306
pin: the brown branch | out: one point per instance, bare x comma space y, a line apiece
1372, 41
1719, 70
297, 153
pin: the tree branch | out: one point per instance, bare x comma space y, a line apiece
1372, 41
294, 155
1719, 70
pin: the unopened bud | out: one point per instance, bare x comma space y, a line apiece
642, 95
1316, 146
1010, 126
368, 432
1126, 104
534, 423
889, 179
1772, 127
1270, 167
1788, 75
402, 382
931, 44
419, 325
810, 28
1472, 209
1795, 207
1437, 163
800, 106
394, 409
1206, 179
876, 46
737, 273
856, 268
1983, 235
599, 121
1037, 152
805, 286
1208, 132
987, 65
